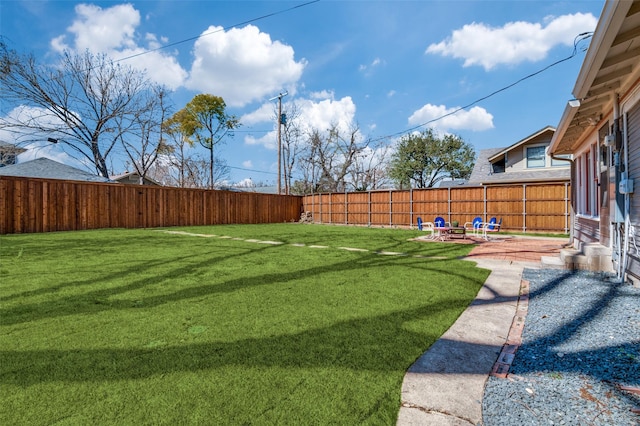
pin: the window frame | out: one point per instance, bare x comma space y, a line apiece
544, 156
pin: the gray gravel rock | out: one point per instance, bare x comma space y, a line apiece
580, 343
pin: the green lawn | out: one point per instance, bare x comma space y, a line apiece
148, 327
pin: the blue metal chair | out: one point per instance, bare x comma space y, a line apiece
475, 225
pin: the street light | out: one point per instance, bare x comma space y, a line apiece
279, 119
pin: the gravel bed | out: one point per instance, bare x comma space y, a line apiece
580, 343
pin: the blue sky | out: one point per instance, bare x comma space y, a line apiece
385, 66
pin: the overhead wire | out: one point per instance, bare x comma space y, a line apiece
268, 15
580, 37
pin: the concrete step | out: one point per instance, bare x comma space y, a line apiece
591, 257
552, 262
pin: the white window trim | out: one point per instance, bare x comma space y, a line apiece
587, 183
526, 157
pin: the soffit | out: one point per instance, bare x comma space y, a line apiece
614, 69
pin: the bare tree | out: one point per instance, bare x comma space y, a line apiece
87, 101
328, 159
369, 169
145, 141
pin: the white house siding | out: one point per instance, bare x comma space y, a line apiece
632, 122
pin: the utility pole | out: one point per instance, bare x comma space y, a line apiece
279, 119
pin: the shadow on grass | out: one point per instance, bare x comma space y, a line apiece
177, 269
380, 343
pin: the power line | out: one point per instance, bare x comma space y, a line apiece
269, 15
580, 37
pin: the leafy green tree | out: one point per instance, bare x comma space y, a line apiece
205, 120
424, 159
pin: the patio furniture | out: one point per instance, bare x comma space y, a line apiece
426, 227
490, 227
442, 228
475, 225
458, 232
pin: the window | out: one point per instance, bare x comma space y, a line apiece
536, 156
588, 202
498, 166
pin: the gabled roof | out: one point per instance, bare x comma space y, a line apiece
547, 129
611, 68
49, 169
482, 169
128, 175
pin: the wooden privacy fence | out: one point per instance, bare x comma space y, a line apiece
40, 205
522, 207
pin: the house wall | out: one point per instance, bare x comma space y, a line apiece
631, 116
587, 203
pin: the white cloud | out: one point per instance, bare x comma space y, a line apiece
112, 31
313, 115
104, 30
391, 93
476, 119
248, 164
265, 113
243, 65
245, 183
513, 43
324, 94
367, 69
36, 142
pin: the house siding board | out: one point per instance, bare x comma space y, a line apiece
587, 230
633, 138
633, 266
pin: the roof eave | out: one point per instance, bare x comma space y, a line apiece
521, 142
567, 117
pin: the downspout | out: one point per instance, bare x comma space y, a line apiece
571, 218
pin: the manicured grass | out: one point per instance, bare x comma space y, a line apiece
149, 327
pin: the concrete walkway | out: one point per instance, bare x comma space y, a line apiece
445, 385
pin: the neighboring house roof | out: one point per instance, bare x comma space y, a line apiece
548, 129
451, 183
133, 178
483, 171
610, 66
543, 175
49, 169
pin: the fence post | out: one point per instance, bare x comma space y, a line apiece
524, 208
369, 209
449, 204
390, 208
411, 208
346, 207
484, 214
